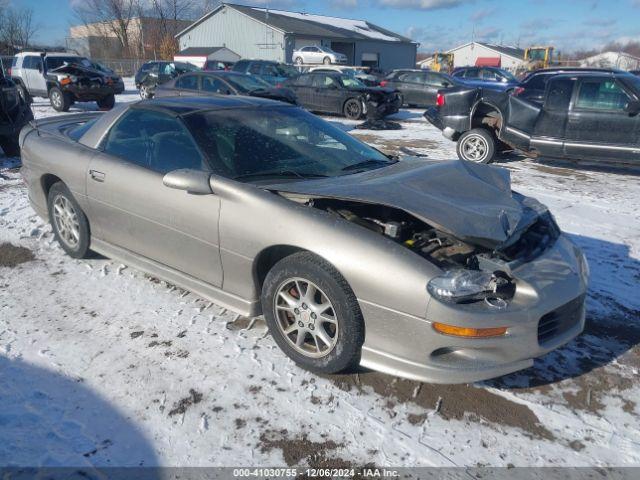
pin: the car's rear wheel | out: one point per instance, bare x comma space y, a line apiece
10, 145
313, 314
60, 101
24, 95
69, 223
326, 60
477, 145
107, 103
353, 109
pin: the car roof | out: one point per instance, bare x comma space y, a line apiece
186, 105
595, 73
574, 70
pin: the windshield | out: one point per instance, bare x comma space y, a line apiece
279, 143
246, 83
181, 67
55, 62
351, 82
537, 54
508, 75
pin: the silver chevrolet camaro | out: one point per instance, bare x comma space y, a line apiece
431, 270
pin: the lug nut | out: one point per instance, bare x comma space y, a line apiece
304, 306
300, 324
296, 311
311, 327
314, 316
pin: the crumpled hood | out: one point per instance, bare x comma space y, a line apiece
472, 202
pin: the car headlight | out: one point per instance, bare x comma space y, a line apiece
457, 286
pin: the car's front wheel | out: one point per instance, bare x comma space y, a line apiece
477, 145
145, 92
68, 221
353, 109
299, 61
313, 314
60, 101
107, 103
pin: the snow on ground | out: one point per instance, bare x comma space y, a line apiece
103, 365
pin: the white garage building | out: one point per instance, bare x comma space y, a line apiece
484, 54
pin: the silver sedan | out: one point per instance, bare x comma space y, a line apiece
431, 270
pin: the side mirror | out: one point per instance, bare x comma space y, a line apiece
192, 181
632, 107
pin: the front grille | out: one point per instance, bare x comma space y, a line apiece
560, 320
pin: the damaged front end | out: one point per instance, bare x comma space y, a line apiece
471, 272
83, 83
380, 103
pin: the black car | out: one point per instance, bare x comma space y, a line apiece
152, 74
592, 116
15, 115
532, 86
223, 83
417, 87
271, 72
334, 92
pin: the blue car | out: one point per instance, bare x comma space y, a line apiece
271, 72
492, 78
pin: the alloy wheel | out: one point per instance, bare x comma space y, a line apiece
474, 148
56, 99
66, 221
306, 317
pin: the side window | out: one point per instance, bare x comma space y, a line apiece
537, 82
214, 85
271, 70
559, 94
188, 82
601, 95
412, 77
153, 140
435, 80
145, 67
491, 75
254, 68
31, 62
14, 62
470, 73
304, 80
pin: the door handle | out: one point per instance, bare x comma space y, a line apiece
96, 175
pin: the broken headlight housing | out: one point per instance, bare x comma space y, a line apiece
464, 286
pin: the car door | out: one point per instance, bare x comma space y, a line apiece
133, 210
328, 93
304, 90
411, 86
598, 124
34, 76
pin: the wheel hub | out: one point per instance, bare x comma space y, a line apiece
306, 317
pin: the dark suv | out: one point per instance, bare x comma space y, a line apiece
272, 72
15, 115
152, 74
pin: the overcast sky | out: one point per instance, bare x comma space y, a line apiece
439, 24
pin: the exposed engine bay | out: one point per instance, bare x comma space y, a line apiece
441, 248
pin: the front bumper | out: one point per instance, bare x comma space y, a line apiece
89, 93
549, 289
375, 110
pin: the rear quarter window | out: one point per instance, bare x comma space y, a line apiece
75, 133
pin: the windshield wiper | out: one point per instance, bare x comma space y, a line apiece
368, 163
280, 173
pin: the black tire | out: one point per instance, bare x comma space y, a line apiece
145, 92
107, 103
352, 109
24, 94
326, 60
60, 101
10, 145
477, 145
349, 335
401, 98
81, 248
299, 61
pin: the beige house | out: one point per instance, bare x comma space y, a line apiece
102, 39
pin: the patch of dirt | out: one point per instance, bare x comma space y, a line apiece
136, 334
164, 343
416, 419
451, 401
241, 323
184, 403
11, 256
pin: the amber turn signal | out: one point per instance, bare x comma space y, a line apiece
469, 332
65, 81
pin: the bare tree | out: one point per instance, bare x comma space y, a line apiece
110, 18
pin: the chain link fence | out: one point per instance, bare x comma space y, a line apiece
125, 67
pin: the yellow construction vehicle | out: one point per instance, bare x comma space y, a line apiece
536, 58
442, 62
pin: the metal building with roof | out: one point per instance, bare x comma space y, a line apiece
260, 33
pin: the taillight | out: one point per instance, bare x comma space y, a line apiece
517, 91
9, 71
440, 100
384, 83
